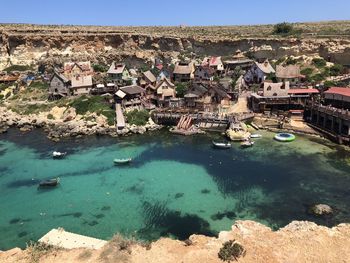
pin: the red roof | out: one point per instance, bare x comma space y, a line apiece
302, 91
339, 91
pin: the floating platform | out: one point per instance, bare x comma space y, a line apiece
64, 239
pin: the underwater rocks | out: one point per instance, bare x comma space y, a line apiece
320, 210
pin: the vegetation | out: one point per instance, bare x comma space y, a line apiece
137, 117
307, 71
39, 85
95, 104
99, 68
231, 250
17, 68
181, 89
290, 61
50, 116
319, 62
272, 77
336, 70
283, 29
37, 250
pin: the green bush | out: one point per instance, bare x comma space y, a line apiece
336, 70
328, 84
291, 61
1, 97
306, 71
319, 62
282, 29
99, 68
137, 117
17, 68
8, 94
39, 85
50, 116
231, 250
181, 89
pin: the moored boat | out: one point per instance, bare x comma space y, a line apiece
247, 144
49, 183
58, 155
255, 135
122, 161
222, 145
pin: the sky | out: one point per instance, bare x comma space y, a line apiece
167, 13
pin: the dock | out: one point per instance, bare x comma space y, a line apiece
64, 239
119, 116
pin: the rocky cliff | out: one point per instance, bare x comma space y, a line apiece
29, 44
297, 242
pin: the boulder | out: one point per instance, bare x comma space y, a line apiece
320, 210
57, 112
69, 114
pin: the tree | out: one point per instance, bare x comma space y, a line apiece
336, 70
99, 68
282, 29
181, 89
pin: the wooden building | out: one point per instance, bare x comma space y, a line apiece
204, 73
59, 85
183, 72
118, 72
338, 97
258, 72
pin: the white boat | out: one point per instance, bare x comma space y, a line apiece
222, 145
122, 161
255, 135
58, 154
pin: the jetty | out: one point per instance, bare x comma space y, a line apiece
61, 238
202, 119
119, 116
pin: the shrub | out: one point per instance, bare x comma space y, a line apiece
291, 61
1, 96
99, 68
137, 117
37, 250
282, 29
307, 71
328, 84
50, 116
8, 94
181, 89
319, 62
231, 250
39, 85
336, 70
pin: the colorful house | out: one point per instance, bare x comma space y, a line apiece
183, 72
258, 72
118, 72
59, 85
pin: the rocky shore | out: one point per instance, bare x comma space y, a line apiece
62, 122
298, 242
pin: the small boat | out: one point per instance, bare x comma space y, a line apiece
247, 144
284, 137
222, 145
255, 135
49, 183
122, 161
58, 155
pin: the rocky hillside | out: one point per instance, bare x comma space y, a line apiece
32, 44
297, 242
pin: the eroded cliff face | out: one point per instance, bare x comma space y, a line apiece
20, 47
297, 242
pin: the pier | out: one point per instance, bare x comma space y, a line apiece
333, 122
203, 119
119, 116
64, 239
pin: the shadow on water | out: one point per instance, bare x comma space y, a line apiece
161, 221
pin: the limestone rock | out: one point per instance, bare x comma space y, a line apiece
321, 209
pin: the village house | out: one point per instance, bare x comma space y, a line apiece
165, 92
204, 73
338, 97
258, 72
290, 73
207, 97
148, 78
81, 85
118, 72
163, 74
183, 72
238, 60
215, 63
130, 96
73, 69
59, 85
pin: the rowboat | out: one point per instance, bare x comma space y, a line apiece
222, 145
58, 155
255, 135
50, 183
247, 144
122, 161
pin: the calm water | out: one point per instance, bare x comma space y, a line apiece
175, 187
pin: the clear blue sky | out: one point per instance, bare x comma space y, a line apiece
188, 12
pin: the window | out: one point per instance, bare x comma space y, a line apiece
268, 88
275, 94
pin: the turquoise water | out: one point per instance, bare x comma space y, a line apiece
175, 186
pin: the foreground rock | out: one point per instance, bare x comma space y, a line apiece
297, 242
321, 209
62, 122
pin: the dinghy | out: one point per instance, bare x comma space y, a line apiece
122, 161
49, 183
222, 145
247, 144
58, 155
255, 135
